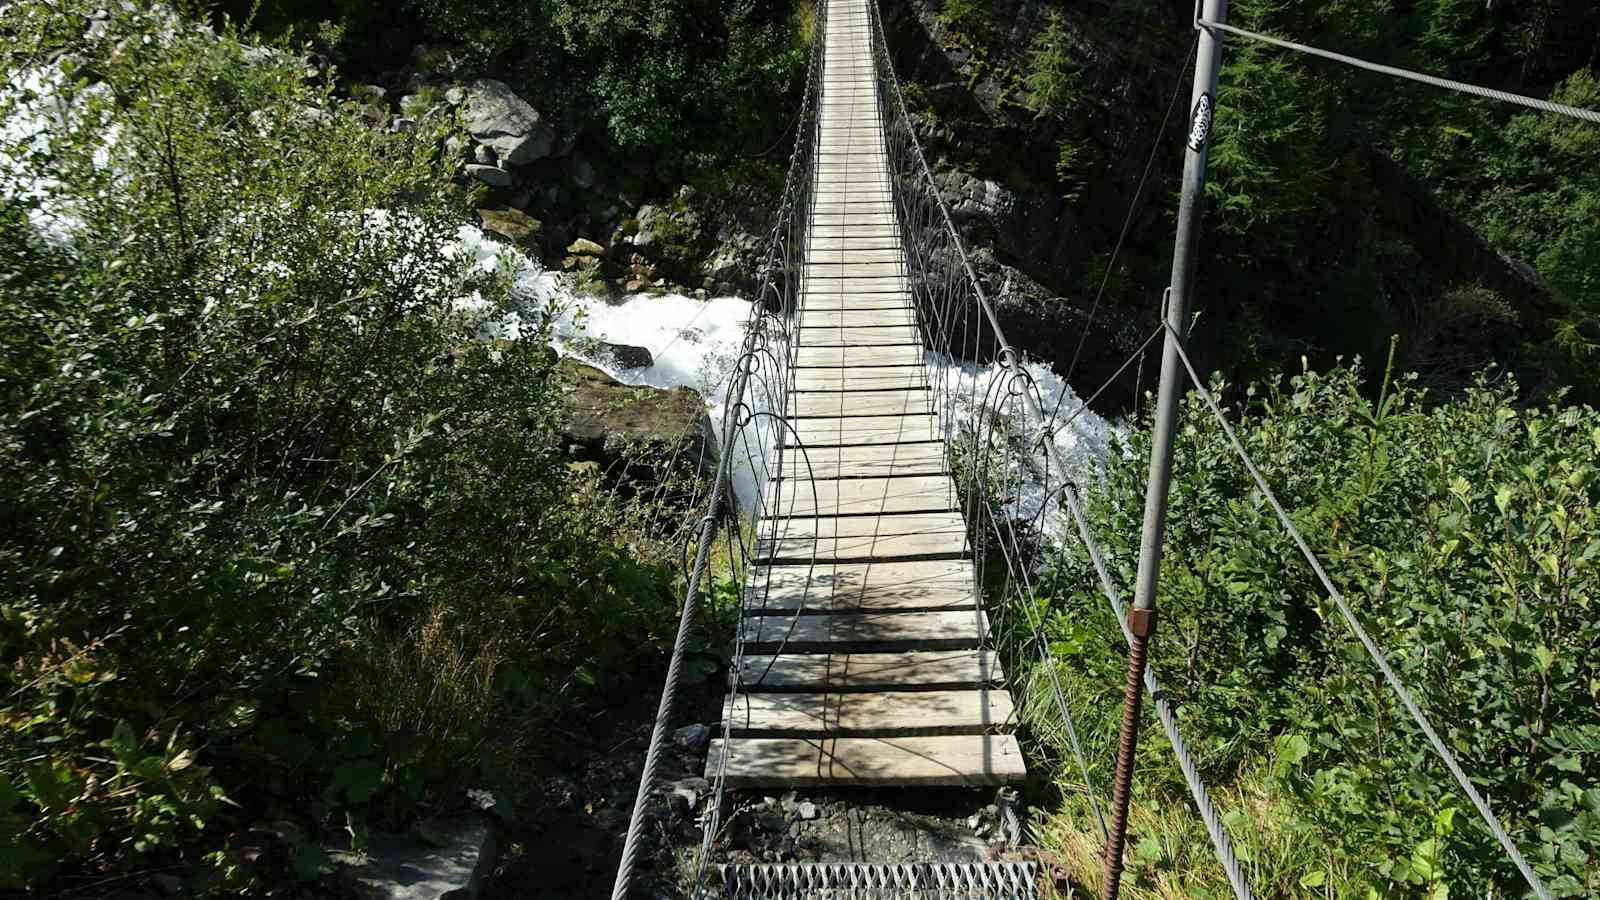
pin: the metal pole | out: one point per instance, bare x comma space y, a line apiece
1142, 620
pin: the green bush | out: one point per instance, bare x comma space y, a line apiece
283, 538
1464, 535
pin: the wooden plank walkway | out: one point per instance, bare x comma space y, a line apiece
865, 641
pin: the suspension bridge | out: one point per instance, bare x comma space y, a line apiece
906, 475
864, 572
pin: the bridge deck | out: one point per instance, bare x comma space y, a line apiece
863, 632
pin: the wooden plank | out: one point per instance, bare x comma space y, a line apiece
861, 496
860, 379
879, 214
834, 357
903, 671
854, 255
859, 239
834, 280
865, 301
859, 337
866, 460
859, 403
864, 631
835, 220
853, 182
839, 201
815, 434
851, 318
893, 585
841, 292
889, 714
964, 760
939, 547
856, 270
844, 300
853, 190
930, 536
854, 211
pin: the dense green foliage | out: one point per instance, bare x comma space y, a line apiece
1465, 537
1304, 216
689, 83
283, 541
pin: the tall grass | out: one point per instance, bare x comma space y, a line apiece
1169, 854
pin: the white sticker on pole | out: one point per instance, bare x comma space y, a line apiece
1200, 123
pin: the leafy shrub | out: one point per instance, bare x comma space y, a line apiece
283, 536
1464, 536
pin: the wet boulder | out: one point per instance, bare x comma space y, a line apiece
641, 434
514, 225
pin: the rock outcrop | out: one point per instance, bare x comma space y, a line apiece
647, 430
497, 118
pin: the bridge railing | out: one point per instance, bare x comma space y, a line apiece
1019, 491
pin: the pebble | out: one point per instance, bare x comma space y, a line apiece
808, 811
692, 737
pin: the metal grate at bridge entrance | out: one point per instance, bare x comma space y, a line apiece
911, 881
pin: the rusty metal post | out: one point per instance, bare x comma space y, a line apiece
1142, 620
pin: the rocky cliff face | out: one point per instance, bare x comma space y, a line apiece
1039, 234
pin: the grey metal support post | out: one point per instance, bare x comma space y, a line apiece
1141, 621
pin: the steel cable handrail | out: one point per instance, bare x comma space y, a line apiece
777, 286
1009, 361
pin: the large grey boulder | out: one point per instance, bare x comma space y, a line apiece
499, 119
514, 225
623, 356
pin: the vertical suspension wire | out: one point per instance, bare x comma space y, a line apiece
1008, 363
